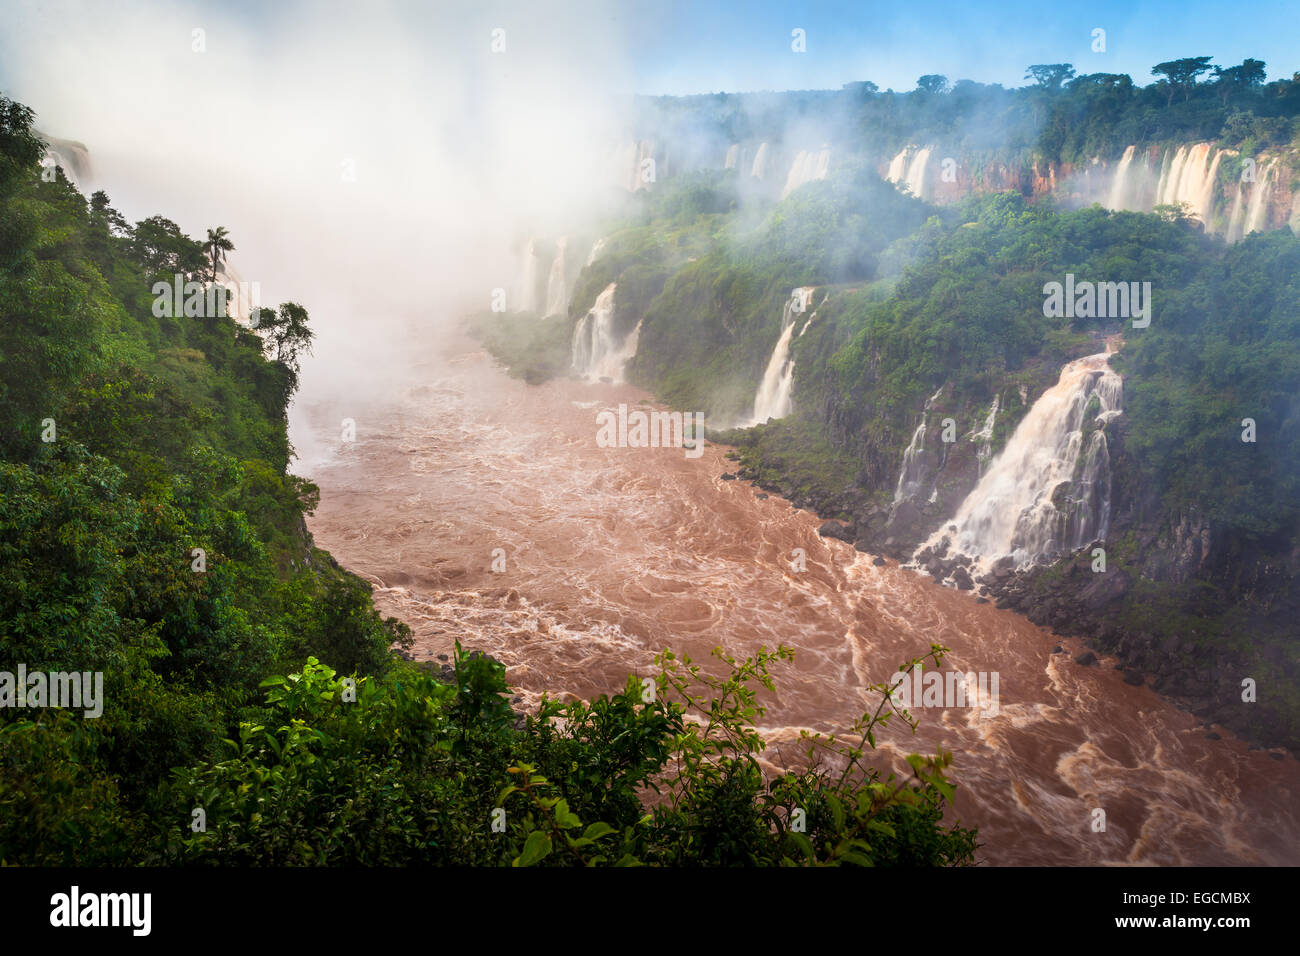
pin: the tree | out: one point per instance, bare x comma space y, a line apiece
216, 247
1238, 79
1050, 76
933, 83
290, 335
158, 244
1182, 74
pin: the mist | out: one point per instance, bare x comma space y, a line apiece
378, 165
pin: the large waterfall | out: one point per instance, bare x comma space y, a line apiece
1189, 178
1261, 192
1048, 492
1249, 211
597, 351
557, 287
807, 166
773, 397
908, 169
759, 169
1121, 187
1189, 174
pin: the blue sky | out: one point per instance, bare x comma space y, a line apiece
706, 47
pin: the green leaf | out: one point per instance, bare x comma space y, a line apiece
564, 818
536, 847
597, 830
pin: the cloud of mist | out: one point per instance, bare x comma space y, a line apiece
457, 151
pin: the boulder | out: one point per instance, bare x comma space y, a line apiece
1086, 659
834, 529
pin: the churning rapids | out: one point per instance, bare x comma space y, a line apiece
615, 553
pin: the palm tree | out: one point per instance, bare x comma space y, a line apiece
216, 247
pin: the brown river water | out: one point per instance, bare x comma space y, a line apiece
612, 554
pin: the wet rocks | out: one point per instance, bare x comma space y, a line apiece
837, 530
1086, 659
1134, 677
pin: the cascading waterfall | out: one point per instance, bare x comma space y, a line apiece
733, 155
912, 475
1260, 194
898, 166
1188, 174
557, 291
72, 157
759, 169
773, 397
985, 437
1236, 215
597, 353
596, 248
910, 173
916, 172
1120, 191
1048, 492
1190, 179
806, 167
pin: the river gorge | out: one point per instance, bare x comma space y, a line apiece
612, 554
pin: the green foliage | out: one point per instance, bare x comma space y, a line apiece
407, 770
149, 530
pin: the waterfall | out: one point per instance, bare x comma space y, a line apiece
1236, 215
632, 158
1189, 178
985, 436
596, 351
1120, 192
806, 167
1260, 193
772, 400
909, 478
557, 292
733, 155
910, 175
72, 156
916, 173
912, 474
529, 275
1048, 492
898, 166
596, 248
759, 170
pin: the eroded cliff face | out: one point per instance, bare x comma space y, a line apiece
1162, 592
1212, 182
